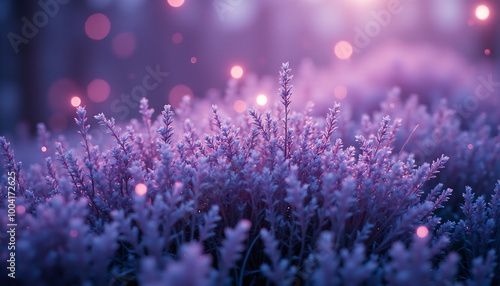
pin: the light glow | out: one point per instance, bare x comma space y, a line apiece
97, 26
20, 209
422, 231
482, 12
124, 45
261, 99
175, 3
177, 93
340, 92
240, 106
236, 72
44, 149
76, 101
98, 90
343, 50
141, 189
177, 38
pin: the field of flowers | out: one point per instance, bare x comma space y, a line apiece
267, 197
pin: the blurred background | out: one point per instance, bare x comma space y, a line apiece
106, 54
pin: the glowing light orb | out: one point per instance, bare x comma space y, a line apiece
76, 101
175, 3
391, 105
44, 149
194, 60
97, 26
422, 231
73, 233
470, 146
177, 38
240, 106
20, 209
487, 52
60, 91
141, 189
340, 92
177, 93
124, 45
98, 90
261, 99
482, 12
343, 50
236, 72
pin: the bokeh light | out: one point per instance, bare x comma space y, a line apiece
175, 3
20, 209
422, 231
60, 91
470, 146
124, 45
177, 38
482, 12
240, 106
177, 93
141, 189
194, 60
44, 149
98, 90
236, 72
261, 99
97, 26
487, 52
343, 50
73, 233
76, 101
340, 92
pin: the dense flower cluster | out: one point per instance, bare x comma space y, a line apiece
272, 196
